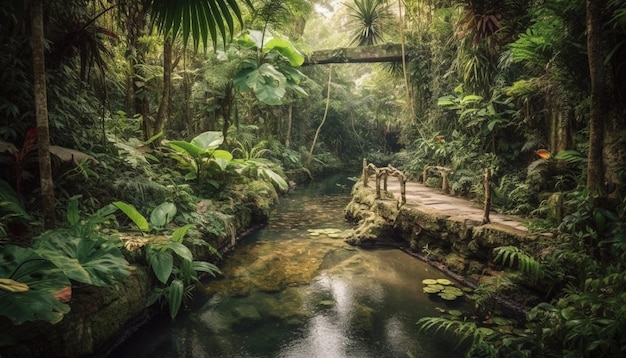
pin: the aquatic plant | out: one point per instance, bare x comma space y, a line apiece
443, 288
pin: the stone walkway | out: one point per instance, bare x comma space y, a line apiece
418, 194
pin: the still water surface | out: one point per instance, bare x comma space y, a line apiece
287, 293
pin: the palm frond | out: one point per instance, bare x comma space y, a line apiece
197, 19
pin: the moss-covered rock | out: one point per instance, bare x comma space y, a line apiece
98, 314
456, 263
491, 236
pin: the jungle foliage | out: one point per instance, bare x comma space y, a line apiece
190, 103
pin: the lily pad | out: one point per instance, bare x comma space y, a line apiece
455, 313
444, 281
467, 289
437, 286
447, 296
453, 291
431, 289
429, 281
486, 331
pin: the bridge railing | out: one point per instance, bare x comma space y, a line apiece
445, 187
381, 175
443, 171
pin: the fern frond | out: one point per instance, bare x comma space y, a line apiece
463, 330
512, 256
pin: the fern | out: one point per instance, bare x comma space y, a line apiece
465, 332
572, 157
511, 256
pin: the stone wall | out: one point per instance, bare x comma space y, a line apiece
464, 246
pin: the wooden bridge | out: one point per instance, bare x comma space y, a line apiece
361, 54
417, 194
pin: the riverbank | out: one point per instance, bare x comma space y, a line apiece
101, 317
444, 235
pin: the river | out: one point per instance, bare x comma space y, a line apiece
295, 289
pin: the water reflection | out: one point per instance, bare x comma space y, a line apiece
286, 293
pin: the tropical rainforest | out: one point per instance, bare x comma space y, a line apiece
171, 118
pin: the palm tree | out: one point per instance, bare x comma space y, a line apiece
370, 19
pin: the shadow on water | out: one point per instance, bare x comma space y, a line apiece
295, 289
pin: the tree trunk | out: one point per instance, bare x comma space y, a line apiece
487, 203
41, 115
409, 99
289, 119
136, 91
599, 99
164, 106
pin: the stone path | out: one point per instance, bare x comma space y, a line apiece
418, 194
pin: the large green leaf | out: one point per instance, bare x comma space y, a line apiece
286, 49
162, 263
208, 140
10, 202
295, 76
240, 82
177, 236
186, 148
203, 266
223, 154
44, 280
274, 178
254, 38
163, 214
175, 296
270, 94
180, 250
73, 214
95, 261
133, 214
222, 163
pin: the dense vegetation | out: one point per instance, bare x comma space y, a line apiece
153, 107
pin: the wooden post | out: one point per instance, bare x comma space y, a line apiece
487, 185
425, 174
385, 174
445, 188
378, 196
402, 179
364, 174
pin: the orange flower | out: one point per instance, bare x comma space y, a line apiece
544, 154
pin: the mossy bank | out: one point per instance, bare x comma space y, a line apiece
100, 317
461, 247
